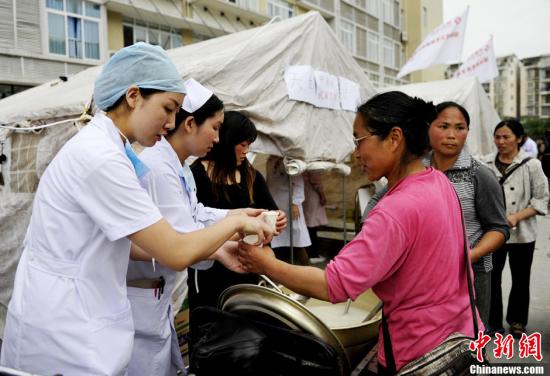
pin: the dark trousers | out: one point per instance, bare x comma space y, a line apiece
482, 288
521, 258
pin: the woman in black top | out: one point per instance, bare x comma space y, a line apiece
226, 180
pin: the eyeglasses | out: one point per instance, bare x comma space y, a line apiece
357, 141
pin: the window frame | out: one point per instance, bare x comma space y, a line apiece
83, 17
147, 30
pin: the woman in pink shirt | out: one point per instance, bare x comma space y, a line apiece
410, 250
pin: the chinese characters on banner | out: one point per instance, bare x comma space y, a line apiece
482, 63
321, 89
443, 45
529, 345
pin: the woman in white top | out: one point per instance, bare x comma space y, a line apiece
69, 312
526, 196
172, 187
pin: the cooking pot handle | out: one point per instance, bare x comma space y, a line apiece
265, 281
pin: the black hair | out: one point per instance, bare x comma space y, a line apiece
145, 93
516, 128
207, 110
236, 128
450, 104
396, 109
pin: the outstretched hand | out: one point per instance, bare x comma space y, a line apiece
255, 259
256, 226
228, 255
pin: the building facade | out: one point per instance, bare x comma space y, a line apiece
505, 90
535, 93
42, 40
420, 18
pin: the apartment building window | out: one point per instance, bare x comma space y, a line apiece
388, 11
372, 7
136, 31
347, 35
279, 8
73, 28
373, 42
389, 56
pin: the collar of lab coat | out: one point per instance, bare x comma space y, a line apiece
170, 154
106, 124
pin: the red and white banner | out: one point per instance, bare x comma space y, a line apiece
443, 45
482, 63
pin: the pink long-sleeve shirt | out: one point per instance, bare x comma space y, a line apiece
410, 252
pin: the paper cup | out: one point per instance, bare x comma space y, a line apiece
270, 218
251, 239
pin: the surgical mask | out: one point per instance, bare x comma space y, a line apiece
188, 180
140, 167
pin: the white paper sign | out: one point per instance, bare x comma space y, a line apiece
443, 45
350, 96
300, 83
482, 63
326, 90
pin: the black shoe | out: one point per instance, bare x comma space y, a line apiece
517, 329
491, 331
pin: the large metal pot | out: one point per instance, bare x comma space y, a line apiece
268, 305
352, 331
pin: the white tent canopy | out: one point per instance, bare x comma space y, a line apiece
245, 70
469, 93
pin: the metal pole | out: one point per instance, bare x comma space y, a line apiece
290, 219
344, 208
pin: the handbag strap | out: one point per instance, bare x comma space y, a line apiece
388, 349
506, 175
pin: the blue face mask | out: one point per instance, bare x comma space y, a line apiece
140, 167
188, 179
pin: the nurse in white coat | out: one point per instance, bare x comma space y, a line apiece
277, 181
69, 312
172, 187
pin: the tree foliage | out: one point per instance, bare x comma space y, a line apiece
535, 126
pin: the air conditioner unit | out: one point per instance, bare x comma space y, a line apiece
404, 36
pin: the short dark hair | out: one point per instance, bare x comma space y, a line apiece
450, 104
516, 128
145, 93
207, 110
396, 109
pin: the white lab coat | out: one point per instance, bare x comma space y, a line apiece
277, 181
156, 350
69, 312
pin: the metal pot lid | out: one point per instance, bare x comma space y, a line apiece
263, 304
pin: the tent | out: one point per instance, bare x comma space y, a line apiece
244, 69
469, 93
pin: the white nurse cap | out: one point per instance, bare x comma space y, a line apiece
197, 95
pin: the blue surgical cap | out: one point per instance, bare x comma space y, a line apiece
140, 64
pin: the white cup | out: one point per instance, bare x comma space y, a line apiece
251, 239
270, 218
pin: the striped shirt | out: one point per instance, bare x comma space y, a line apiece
481, 198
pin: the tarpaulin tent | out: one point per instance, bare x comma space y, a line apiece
244, 69
469, 93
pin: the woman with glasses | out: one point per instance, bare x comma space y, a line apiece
410, 243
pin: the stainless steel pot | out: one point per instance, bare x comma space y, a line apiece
268, 305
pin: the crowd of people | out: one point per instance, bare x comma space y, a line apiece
112, 232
